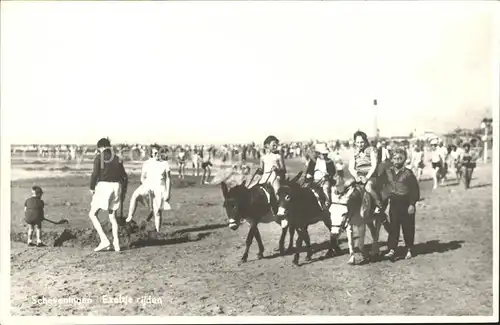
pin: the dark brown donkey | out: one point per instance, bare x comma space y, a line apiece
253, 205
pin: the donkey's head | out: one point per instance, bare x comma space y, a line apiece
235, 200
287, 195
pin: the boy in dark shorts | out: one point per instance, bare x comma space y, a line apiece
33, 215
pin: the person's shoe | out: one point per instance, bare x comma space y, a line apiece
377, 210
390, 254
129, 218
40, 244
30, 243
102, 246
408, 255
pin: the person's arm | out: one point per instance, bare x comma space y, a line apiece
261, 168
352, 170
94, 178
310, 169
374, 163
124, 181
413, 187
330, 167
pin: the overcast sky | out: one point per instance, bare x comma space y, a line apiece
200, 72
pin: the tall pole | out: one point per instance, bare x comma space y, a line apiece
375, 120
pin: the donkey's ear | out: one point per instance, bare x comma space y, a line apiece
244, 182
225, 190
296, 178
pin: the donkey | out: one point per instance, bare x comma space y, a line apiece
354, 208
301, 207
253, 205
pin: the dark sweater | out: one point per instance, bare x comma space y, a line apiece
108, 167
34, 210
403, 185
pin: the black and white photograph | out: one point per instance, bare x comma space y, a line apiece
249, 161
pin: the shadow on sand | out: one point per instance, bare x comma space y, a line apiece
429, 247
480, 185
143, 242
316, 248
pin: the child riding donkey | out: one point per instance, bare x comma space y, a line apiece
272, 170
319, 173
365, 169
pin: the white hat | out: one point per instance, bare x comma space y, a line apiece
321, 148
434, 141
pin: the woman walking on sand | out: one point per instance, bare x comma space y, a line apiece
468, 164
437, 161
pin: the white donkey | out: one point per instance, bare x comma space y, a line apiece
353, 207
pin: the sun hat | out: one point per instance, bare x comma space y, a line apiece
321, 148
434, 141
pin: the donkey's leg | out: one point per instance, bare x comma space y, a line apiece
366, 212
350, 243
298, 246
307, 239
361, 239
334, 244
291, 234
251, 233
260, 254
375, 234
281, 247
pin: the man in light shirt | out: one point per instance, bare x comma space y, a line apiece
155, 187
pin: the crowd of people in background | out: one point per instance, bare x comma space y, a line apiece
200, 158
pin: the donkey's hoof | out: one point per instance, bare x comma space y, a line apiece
296, 262
308, 258
244, 259
260, 256
330, 253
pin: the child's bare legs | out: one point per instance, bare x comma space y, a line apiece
327, 190
371, 188
30, 233
114, 230
157, 220
38, 232
274, 202
133, 204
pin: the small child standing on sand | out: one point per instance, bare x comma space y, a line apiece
34, 215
